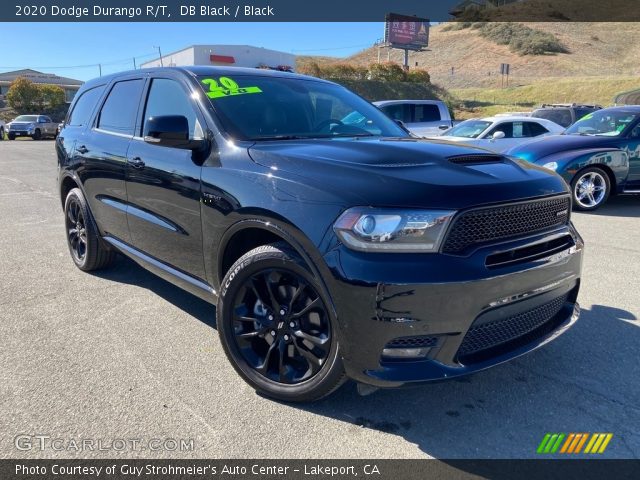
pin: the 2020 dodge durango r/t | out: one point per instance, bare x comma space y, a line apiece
331, 250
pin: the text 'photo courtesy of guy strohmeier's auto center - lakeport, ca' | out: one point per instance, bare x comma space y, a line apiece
292, 240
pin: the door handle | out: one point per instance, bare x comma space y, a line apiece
82, 149
136, 162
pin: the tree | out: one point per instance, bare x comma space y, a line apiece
23, 95
52, 96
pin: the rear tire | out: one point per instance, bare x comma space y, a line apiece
276, 328
88, 250
590, 189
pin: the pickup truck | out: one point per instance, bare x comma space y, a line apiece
424, 118
34, 126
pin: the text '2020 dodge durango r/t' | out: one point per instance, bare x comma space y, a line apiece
331, 249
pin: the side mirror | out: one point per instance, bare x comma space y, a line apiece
498, 135
402, 126
170, 131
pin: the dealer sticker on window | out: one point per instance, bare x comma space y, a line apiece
225, 87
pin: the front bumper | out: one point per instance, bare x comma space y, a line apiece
383, 300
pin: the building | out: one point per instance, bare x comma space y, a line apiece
69, 85
228, 56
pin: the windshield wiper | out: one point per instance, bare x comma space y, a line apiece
280, 137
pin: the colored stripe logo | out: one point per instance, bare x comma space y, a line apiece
593, 443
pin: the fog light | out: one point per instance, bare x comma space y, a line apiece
405, 352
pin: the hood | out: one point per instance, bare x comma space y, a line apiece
538, 149
405, 172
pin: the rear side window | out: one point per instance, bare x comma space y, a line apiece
427, 113
81, 113
119, 111
561, 116
533, 129
400, 112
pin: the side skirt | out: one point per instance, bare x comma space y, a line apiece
186, 282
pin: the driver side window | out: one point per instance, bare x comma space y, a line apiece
635, 133
506, 128
167, 97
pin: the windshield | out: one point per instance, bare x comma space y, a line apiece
255, 107
467, 129
607, 123
27, 118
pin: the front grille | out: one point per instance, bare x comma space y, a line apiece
505, 221
488, 338
413, 342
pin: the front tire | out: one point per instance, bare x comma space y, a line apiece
11, 136
85, 245
1, 133
590, 188
37, 135
276, 328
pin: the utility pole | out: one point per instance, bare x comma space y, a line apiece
100, 69
160, 55
134, 63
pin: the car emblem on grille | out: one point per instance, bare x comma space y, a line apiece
562, 212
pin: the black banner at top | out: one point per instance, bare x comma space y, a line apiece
317, 11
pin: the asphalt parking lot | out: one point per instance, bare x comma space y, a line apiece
124, 355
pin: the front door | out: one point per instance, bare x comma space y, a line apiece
163, 185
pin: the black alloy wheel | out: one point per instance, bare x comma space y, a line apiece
88, 250
76, 230
276, 328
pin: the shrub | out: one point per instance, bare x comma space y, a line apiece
418, 76
387, 72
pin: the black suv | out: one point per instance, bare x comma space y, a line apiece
332, 243
564, 114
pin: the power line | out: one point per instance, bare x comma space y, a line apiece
334, 48
89, 65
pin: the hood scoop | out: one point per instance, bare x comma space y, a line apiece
476, 159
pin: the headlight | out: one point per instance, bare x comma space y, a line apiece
551, 166
376, 229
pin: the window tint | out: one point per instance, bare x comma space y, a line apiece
80, 115
119, 110
400, 112
635, 133
426, 113
533, 129
167, 97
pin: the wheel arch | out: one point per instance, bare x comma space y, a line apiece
252, 232
613, 182
67, 183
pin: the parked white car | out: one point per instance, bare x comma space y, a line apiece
500, 133
422, 117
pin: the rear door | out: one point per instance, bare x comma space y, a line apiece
163, 184
101, 154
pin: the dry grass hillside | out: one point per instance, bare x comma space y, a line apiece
595, 49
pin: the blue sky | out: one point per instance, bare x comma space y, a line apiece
50, 46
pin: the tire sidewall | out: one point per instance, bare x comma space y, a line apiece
574, 188
75, 195
249, 265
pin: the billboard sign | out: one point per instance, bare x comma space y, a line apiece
405, 31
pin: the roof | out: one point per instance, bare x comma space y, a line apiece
381, 103
215, 46
203, 70
39, 77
